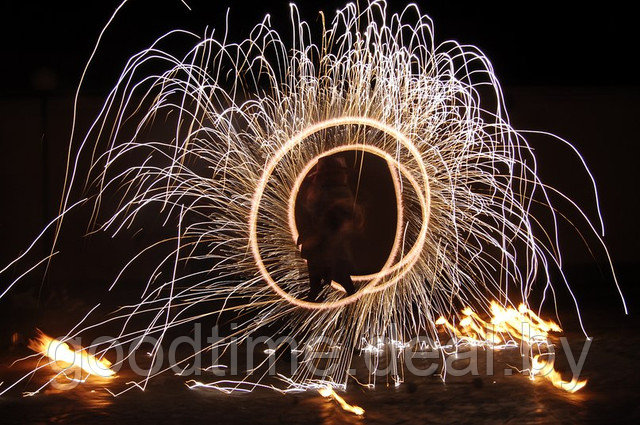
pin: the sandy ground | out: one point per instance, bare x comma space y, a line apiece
611, 396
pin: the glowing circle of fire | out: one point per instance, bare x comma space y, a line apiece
293, 227
422, 190
393, 165
215, 139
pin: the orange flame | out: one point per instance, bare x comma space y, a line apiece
508, 324
59, 351
330, 393
544, 368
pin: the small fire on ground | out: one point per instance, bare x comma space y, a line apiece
507, 325
329, 392
61, 353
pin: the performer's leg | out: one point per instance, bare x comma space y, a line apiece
315, 282
343, 277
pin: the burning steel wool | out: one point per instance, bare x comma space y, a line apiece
246, 121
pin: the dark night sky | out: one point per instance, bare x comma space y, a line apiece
536, 43
568, 68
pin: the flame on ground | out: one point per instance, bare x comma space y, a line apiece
510, 325
59, 351
330, 393
544, 368
506, 324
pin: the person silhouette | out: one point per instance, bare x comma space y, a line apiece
332, 219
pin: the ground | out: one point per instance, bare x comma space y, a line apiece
609, 397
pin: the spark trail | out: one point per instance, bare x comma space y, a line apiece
217, 139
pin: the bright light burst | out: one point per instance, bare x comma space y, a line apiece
222, 136
60, 352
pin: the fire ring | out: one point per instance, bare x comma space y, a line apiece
293, 228
422, 191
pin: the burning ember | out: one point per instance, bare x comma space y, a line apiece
328, 392
60, 352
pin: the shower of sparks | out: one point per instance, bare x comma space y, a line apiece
215, 140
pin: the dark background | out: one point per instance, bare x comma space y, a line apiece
566, 68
